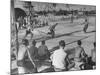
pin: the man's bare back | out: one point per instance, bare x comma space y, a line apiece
78, 52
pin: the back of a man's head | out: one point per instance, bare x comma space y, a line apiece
86, 20
43, 42
79, 42
33, 42
25, 42
62, 43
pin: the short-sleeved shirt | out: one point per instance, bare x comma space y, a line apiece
58, 59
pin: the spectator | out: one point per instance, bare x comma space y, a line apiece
33, 50
43, 51
79, 52
58, 57
30, 62
21, 54
79, 55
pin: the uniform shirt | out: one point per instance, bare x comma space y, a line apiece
58, 58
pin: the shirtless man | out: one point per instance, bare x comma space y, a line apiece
25, 66
79, 55
90, 62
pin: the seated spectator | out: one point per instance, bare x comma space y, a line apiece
58, 57
21, 54
33, 50
79, 55
30, 58
79, 52
43, 52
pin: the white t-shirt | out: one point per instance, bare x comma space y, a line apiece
21, 52
58, 59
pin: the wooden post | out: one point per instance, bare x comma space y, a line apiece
14, 26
